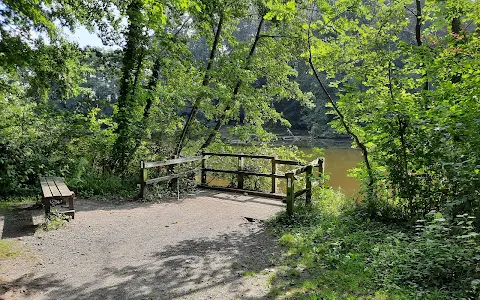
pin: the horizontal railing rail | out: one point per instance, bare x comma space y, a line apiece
241, 172
170, 163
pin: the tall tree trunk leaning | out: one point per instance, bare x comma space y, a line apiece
148, 105
132, 61
456, 28
418, 24
418, 33
205, 82
236, 90
363, 148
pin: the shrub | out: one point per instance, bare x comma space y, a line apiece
442, 255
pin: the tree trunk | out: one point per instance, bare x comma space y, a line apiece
152, 83
404, 188
456, 27
236, 90
132, 60
148, 105
205, 82
418, 33
347, 128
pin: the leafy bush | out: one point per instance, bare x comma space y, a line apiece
337, 252
442, 255
21, 164
94, 183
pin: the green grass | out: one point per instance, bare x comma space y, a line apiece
333, 253
247, 274
8, 249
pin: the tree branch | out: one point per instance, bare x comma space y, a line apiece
236, 90
205, 82
347, 128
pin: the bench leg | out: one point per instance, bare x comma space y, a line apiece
46, 204
71, 207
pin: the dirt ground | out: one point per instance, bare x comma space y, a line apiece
212, 246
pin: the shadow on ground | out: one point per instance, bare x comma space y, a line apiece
19, 221
214, 268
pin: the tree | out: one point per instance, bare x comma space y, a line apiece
397, 97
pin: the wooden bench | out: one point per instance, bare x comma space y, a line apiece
54, 188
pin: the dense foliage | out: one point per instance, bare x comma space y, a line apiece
91, 114
411, 97
334, 252
400, 77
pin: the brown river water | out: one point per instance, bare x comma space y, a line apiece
338, 161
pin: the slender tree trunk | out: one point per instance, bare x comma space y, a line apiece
456, 25
152, 83
418, 33
402, 121
148, 105
236, 90
418, 24
347, 128
132, 60
205, 82
456, 28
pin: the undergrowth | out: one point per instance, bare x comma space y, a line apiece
96, 184
54, 221
331, 252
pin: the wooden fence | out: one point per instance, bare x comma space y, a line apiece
241, 172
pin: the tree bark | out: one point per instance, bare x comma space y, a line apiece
418, 33
205, 82
456, 27
347, 128
236, 90
132, 60
152, 83
404, 188
418, 24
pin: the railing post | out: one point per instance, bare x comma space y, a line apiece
308, 180
240, 168
290, 193
321, 169
143, 178
203, 176
274, 172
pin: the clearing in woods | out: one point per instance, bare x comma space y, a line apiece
211, 246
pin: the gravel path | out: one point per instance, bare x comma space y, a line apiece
206, 247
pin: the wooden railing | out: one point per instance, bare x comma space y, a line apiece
241, 172
145, 165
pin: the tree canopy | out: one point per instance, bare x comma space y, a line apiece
399, 77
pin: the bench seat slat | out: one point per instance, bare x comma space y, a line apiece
62, 187
46, 189
53, 188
